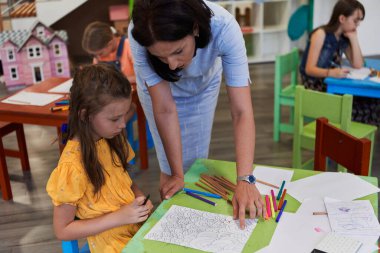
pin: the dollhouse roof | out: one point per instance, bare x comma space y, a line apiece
20, 37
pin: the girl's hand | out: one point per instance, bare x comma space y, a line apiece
169, 185
339, 72
351, 35
247, 197
134, 212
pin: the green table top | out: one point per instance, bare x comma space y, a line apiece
261, 235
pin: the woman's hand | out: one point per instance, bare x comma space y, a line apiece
247, 197
169, 185
135, 212
338, 72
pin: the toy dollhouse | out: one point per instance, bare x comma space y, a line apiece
31, 56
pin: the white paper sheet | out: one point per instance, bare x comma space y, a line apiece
343, 186
201, 230
359, 74
63, 87
273, 176
375, 79
308, 206
352, 217
32, 98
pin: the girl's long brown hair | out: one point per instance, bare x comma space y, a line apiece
95, 86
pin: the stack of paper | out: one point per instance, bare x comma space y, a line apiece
32, 98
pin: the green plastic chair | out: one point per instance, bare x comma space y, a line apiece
286, 64
337, 109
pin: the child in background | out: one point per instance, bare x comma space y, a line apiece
102, 41
323, 56
91, 181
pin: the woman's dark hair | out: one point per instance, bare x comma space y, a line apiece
345, 8
170, 20
94, 87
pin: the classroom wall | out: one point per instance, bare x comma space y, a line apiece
369, 34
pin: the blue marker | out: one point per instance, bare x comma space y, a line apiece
203, 193
280, 213
280, 191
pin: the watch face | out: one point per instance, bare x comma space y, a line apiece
251, 179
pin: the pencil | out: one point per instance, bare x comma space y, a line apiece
200, 198
319, 213
268, 184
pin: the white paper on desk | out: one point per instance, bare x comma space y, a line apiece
352, 217
201, 230
308, 206
63, 87
298, 233
375, 79
273, 176
32, 98
359, 74
342, 186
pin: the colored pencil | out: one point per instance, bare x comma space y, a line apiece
203, 193
200, 198
265, 183
319, 213
282, 199
280, 191
274, 200
281, 211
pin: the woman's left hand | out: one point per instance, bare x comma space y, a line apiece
247, 197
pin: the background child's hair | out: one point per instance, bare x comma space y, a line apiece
94, 87
345, 8
170, 20
96, 36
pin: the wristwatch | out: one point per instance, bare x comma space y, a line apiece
250, 179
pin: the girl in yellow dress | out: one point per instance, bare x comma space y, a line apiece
91, 181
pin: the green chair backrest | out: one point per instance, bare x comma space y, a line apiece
286, 64
313, 104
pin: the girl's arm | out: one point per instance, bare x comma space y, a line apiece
66, 228
353, 51
312, 69
166, 118
246, 195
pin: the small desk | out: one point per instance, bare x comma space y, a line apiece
261, 235
41, 115
364, 88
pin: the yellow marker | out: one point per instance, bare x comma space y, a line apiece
271, 206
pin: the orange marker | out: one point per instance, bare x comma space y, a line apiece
59, 108
282, 199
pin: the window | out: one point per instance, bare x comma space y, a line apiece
40, 31
57, 49
34, 52
59, 68
11, 54
14, 73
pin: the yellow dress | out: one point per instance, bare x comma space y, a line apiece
68, 184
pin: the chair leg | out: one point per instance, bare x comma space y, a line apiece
297, 153
276, 121
143, 148
372, 138
5, 183
22, 148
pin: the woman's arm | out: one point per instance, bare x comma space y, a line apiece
66, 228
353, 51
166, 118
312, 69
246, 195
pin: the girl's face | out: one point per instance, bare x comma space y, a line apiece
111, 120
350, 23
177, 54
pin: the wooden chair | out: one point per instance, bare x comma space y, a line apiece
286, 64
337, 109
5, 129
343, 148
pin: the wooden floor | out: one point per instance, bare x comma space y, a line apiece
26, 222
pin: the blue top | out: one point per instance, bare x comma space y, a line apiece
331, 53
226, 49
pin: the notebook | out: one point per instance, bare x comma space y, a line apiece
333, 243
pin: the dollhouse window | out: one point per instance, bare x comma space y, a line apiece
11, 54
59, 67
57, 49
34, 52
40, 31
14, 73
